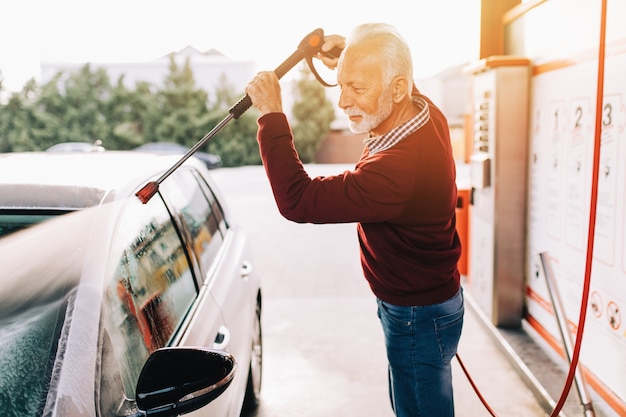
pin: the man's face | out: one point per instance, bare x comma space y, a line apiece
364, 98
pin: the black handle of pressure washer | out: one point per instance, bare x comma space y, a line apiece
244, 104
309, 46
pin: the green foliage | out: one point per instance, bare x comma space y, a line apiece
133, 113
85, 105
181, 107
235, 143
313, 114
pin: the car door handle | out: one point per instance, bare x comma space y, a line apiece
222, 339
246, 269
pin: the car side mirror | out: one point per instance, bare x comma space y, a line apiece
180, 380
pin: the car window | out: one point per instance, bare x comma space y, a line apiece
12, 221
213, 201
151, 290
196, 208
30, 338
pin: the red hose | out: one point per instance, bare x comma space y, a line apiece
476, 390
592, 213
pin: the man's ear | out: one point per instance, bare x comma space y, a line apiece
400, 88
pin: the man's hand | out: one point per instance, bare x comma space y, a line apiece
330, 42
264, 91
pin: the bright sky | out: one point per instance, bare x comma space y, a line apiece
441, 33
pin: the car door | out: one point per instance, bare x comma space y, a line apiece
235, 287
224, 265
150, 298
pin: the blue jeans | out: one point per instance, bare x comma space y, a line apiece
421, 341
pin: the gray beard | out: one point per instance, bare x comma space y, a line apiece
371, 121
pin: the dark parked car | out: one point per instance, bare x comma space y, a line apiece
210, 160
112, 307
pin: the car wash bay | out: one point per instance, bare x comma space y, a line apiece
323, 346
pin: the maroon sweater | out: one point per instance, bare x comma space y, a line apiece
403, 198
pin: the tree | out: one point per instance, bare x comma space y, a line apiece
79, 104
313, 114
24, 125
236, 142
84, 105
131, 114
14, 122
181, 106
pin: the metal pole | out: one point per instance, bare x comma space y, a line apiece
566, 336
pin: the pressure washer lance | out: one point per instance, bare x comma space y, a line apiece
309, 47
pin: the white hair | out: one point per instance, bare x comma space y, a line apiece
391, 45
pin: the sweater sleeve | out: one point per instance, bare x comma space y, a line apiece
368, 193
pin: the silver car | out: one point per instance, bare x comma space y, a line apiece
113, 307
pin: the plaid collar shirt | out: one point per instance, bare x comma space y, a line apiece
380, 143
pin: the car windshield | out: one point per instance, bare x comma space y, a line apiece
12, 221
29, 340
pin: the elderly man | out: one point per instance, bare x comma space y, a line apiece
402, 195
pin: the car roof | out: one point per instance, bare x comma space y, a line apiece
70, 181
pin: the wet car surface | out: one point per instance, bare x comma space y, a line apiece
94, 284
